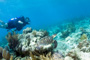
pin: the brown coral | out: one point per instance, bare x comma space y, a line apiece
33, 57
12, 38
50, 56
40, 57
47, 57
4, 54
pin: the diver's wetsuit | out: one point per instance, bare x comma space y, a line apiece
13, 23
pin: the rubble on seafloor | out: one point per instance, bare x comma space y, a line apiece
81, 52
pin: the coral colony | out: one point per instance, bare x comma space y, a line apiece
66, 42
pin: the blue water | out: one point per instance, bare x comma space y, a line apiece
43, 13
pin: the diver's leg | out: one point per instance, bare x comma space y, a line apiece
2, 22
4, 26
1, 26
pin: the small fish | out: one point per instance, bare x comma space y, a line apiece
54, 35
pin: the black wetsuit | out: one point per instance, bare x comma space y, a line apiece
14, 23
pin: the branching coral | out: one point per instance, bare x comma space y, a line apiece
47, 57
33, 57
12, 38
50, 56
4, 54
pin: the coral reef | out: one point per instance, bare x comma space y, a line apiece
69, 35
71, 41
36, 41
64, 45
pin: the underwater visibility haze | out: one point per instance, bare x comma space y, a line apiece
58, 30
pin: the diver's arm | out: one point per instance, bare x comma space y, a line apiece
20, 22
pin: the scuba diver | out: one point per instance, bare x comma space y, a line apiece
17, 23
